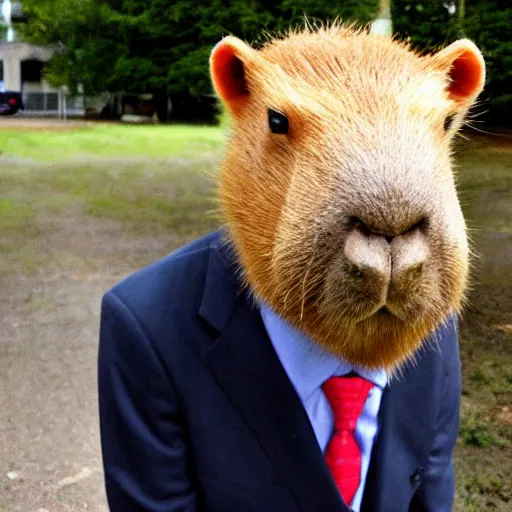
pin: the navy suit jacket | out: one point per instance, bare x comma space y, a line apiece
198, 415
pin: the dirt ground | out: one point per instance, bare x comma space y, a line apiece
55, 265
30, 124
49, 443
52, 282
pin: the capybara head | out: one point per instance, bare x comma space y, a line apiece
338, 188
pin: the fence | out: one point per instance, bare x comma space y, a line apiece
53, 104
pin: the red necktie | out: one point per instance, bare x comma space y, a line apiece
346, 396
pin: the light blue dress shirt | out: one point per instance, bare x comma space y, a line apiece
308, 367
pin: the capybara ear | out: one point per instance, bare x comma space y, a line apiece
465, 66
228, 66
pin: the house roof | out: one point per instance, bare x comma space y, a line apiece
25, 51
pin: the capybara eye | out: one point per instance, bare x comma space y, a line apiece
277, 122
448, 121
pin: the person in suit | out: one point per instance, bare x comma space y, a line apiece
198, 412
303, 358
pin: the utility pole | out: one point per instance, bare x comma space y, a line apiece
6, 14
461, 15
462, 11
383, 25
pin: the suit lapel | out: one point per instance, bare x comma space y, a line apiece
245, 365
400, 452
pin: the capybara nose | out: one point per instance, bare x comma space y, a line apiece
384, 263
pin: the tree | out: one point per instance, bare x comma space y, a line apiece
76, 29
489, 24
160, 46
432, 23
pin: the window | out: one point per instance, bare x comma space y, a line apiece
31, 70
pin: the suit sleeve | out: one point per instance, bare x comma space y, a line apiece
436, 494
142, 433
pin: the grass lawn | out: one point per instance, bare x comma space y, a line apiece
96, 202
109, 140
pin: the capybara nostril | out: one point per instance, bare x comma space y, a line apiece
409, 253
369, 257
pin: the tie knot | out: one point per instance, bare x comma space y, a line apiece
346, 396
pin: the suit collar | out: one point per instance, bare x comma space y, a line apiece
246, 367
222, 283
307, 364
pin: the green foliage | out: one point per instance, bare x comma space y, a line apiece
75, 29
491, 29
428, 24
162, 46
159, 46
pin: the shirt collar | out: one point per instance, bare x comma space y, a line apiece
306, 363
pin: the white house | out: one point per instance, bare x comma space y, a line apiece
21, 67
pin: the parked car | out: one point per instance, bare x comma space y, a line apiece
10, 103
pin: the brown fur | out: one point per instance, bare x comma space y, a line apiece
366, 140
